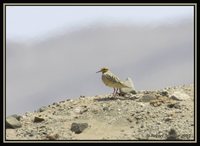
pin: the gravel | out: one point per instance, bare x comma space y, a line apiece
153, 115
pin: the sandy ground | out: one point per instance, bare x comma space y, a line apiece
166, 114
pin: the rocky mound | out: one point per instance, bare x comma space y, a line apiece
166, 114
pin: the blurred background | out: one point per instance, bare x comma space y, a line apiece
53, 52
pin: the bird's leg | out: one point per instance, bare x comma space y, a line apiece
114, 92
117, 90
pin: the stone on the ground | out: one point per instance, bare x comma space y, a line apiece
174, 105
43, 108
172, 135
147, 98
52, 137
16, 116
164, 93
78, 127
12, 122
179, 96
81, 110
38, 119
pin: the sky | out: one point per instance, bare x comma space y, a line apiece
28, 22
54, 52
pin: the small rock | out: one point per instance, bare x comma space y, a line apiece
159, 123
78, 127
12, 122
38, 119
138, 117
77, 110
147, 98
168, 119
80, 110
133, 92
95, 111
164, 93
76, 117
84, 110
135, 96
128, 119
105, 108
174, 105
18, 117
172, 135
175, 98
43, 108
179, 96
52, 137
156, 103
70, 107
41, 127
55, 103
62, 101
139, 111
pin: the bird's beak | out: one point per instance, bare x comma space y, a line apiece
98, 71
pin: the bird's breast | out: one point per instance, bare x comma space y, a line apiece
108, 81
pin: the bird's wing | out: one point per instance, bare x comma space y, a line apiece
124, 84
112, 78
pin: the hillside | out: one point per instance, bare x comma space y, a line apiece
166, 114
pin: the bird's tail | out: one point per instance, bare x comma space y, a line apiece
125, 84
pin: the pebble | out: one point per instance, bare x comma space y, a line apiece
179, 96
18, 117
12, 122
38, 119
174, 105
105, 108
138, 117
164, 93
52, 137
168, 119
80, 110
42, 109
147, 98
78, 127
129, 120
172, 135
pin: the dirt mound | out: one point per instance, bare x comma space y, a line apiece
166, 114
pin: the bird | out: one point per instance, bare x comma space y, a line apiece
111, 80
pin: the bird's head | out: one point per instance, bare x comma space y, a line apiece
103, 70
